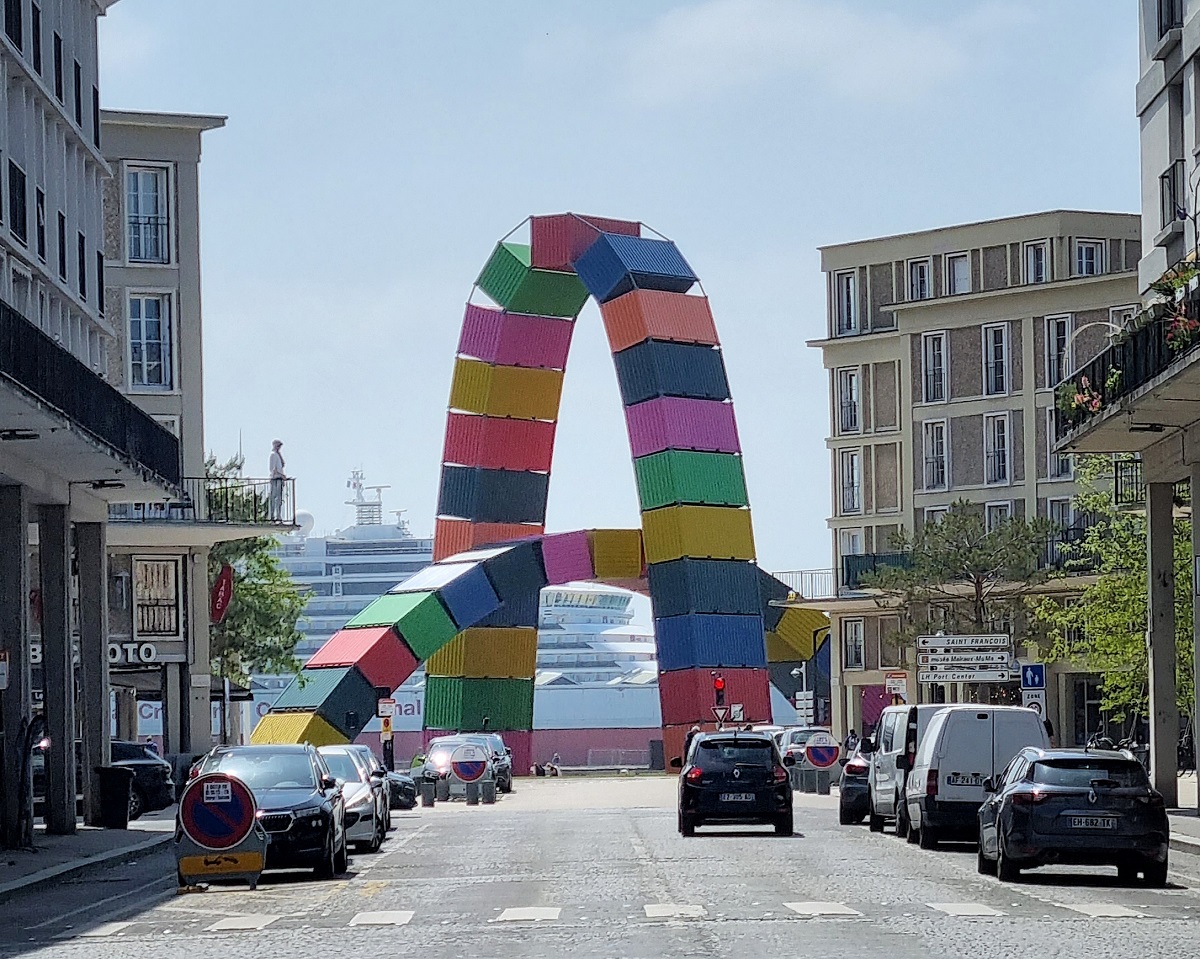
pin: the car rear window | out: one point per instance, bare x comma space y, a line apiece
729, 752
1083, 772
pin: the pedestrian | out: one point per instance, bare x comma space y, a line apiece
277, 477
151, 745
851, 742
687, 743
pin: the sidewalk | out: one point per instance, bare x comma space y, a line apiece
55, 856
1185, 823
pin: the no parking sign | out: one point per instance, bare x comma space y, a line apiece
822, 750
217, 811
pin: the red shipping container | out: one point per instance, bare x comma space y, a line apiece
521, 744
494, 442
464, 434
678, 423
378, 652
657, 314
557, 241
515, 339
687, 695
453, 536
567, 557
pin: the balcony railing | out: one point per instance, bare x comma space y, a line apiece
851, 498
855, 567
996, 466
148, 239
849, 419
1129, 485
1065, 552
935, 386
810, 583
40, 366
221, 500
935, 472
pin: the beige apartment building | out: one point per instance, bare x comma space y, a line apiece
943, 349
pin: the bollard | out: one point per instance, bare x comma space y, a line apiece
442, 790
794, 772
472, 794
808, 781
823, 782
487, 792
427, 792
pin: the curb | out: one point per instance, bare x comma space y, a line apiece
1188, 844
66, 869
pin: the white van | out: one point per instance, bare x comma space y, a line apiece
892, 750
963, 746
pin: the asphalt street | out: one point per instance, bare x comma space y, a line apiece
596, 868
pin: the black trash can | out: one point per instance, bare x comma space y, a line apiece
115, 785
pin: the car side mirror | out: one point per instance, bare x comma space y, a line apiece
676, 763
328, 782
789, 760
989, 786
867, 746
378, 773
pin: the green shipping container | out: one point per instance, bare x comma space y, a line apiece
419, 618
464, 704
509, 280
687, 477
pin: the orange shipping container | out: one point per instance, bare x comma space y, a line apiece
657, 314
460, 535
700, 532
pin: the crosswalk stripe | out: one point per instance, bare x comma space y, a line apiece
1102, 910
529, 914
812, 909
964, 909
252, 921
105, 929
394, 918
669, 911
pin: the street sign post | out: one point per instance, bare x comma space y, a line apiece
1034, 699
737, 713
822, 750
219, 834
896, 684
948, 674
385, 729
385, 708
965, 659
469, 762
990, 641
1033, 676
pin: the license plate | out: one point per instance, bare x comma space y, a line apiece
964, 779
737, 797
218, 863
1093, 822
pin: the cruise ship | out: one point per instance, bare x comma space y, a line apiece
587, 634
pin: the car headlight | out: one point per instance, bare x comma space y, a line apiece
307, 811
360, 801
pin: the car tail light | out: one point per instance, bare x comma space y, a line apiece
781, 775
931, 782
857, 768
1028, 798
694, 774
193, 772
1154, 800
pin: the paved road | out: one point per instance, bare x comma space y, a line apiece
596, 869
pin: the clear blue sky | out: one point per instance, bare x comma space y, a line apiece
376, 150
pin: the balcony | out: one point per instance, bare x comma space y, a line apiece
1129, 486
1065, 552
809, 583
225, 501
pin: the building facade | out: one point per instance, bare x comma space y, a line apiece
943, 349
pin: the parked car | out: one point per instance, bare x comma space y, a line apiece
501, 758
438, 757
300, 803
402, 789
963, 747
1073, 806
363, 793
380, 772
734, 778
892, 749
792, 741
853, 789
152, 788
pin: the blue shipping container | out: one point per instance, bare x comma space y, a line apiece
656, 368
771, 588
469, 598
704, 641
342, 697
519, 610
493, 496
518, 571
704, 586
615, 264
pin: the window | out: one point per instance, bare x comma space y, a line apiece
100, 282
995, 448
1060, 512
39, 207
1172, 194
851, 463
58, 67
1170, 16
156, 598
22, 292
1121, 317
1089, 257
958, 273
888, 734
18, 219
12, 23
996, 514
96, 117
918, 280
848, 420
935, 514
1059, 466
1058, 357
81, 248
934, 433
150, 360
933, 361
1035, 262
852, 644
846, 289
62, 246
850, 542
146, 208
891, 642
995, 359
35, 36
78, 94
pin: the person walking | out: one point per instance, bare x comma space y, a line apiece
277, 477
851, 742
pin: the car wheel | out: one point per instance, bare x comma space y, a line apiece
1156, 874
326, 868
137, 803
874, 820
341, 861
901, 818
845, 817
913, 833
1006, 869
985, 866
687, 825
785, 825
928, 837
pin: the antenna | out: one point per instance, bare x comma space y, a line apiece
367, 512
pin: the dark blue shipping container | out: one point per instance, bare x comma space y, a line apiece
516, 572
493, 496
342, 697
469, 597
662, 368
771, 588
522, 609
699, 641
616, 264
704, 586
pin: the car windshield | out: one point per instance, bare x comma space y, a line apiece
1083, 772
800, 737
343, 767
757, 752
266, 770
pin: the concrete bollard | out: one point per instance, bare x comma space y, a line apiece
808, 781
442, 790
487, 792
472, 794
823, 782
427, 792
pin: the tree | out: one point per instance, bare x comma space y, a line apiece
259, 631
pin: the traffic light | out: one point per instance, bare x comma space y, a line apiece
719, 690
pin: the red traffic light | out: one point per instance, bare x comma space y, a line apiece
719, 683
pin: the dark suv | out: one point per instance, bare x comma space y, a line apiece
152, 788
300, 803
734, 778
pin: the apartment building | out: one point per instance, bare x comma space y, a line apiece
943, 349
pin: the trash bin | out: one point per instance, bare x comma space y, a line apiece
115, 785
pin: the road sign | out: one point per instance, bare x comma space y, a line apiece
806, 708
822, 750
721, 713
385, 707
991, 641
962, 659
896, 684
385, 729
469, 762
1034, 699
737, 713
217, 811
1033, 676
949, 675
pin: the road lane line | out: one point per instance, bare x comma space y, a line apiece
394, 918
964, 909
106, 929
394, 847
813, 909
1102, 910
670, 911
529, 914
96, 905
250, 922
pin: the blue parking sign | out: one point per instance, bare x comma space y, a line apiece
1033, 676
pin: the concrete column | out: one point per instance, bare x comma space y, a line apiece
14, 639
174, 708
91, 547
58, 672
199, 717
127, 715
1164, 707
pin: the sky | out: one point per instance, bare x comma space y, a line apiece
377, 149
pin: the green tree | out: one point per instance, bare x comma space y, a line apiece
259, 631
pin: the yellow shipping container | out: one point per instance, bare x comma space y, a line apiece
471, 386
616, 553
779, 650
702, 532
288, 728
800, 629
447, 661
525, 394
499, 653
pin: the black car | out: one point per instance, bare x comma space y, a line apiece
403, 790
300, 804
152, 788
1074, 806
734, 778
854, 794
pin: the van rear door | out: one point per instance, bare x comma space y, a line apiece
965, 755
1014, 729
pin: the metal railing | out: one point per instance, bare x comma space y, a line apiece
935, 472
1065, 551
810, 583
37, 364
851, 498
148, 239
995, 466
935, 385
997, 376
849, 419
1129, 485
223, 500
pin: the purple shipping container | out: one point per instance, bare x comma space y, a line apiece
673, 422
567, 557
515, 339
557, 240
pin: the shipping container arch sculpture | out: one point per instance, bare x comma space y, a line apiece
473, 616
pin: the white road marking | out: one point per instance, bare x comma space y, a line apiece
669, 911
105, 929
252, 921
393, 846
95, 905
529, 914
964, 909
1102, 910
395, 918
811, 909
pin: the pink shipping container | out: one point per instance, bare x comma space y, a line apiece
378, 652
515, 339
557, 241
673, 422
521, 744
687, 694
567, 557
494, 442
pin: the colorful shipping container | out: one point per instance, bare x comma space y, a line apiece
688, 477
710, 641
702, 532
661, 368
675, 422
652, 314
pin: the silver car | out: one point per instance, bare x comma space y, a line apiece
365, 827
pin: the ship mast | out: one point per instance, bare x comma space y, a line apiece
367, 512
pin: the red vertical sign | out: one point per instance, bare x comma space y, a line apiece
222, 595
